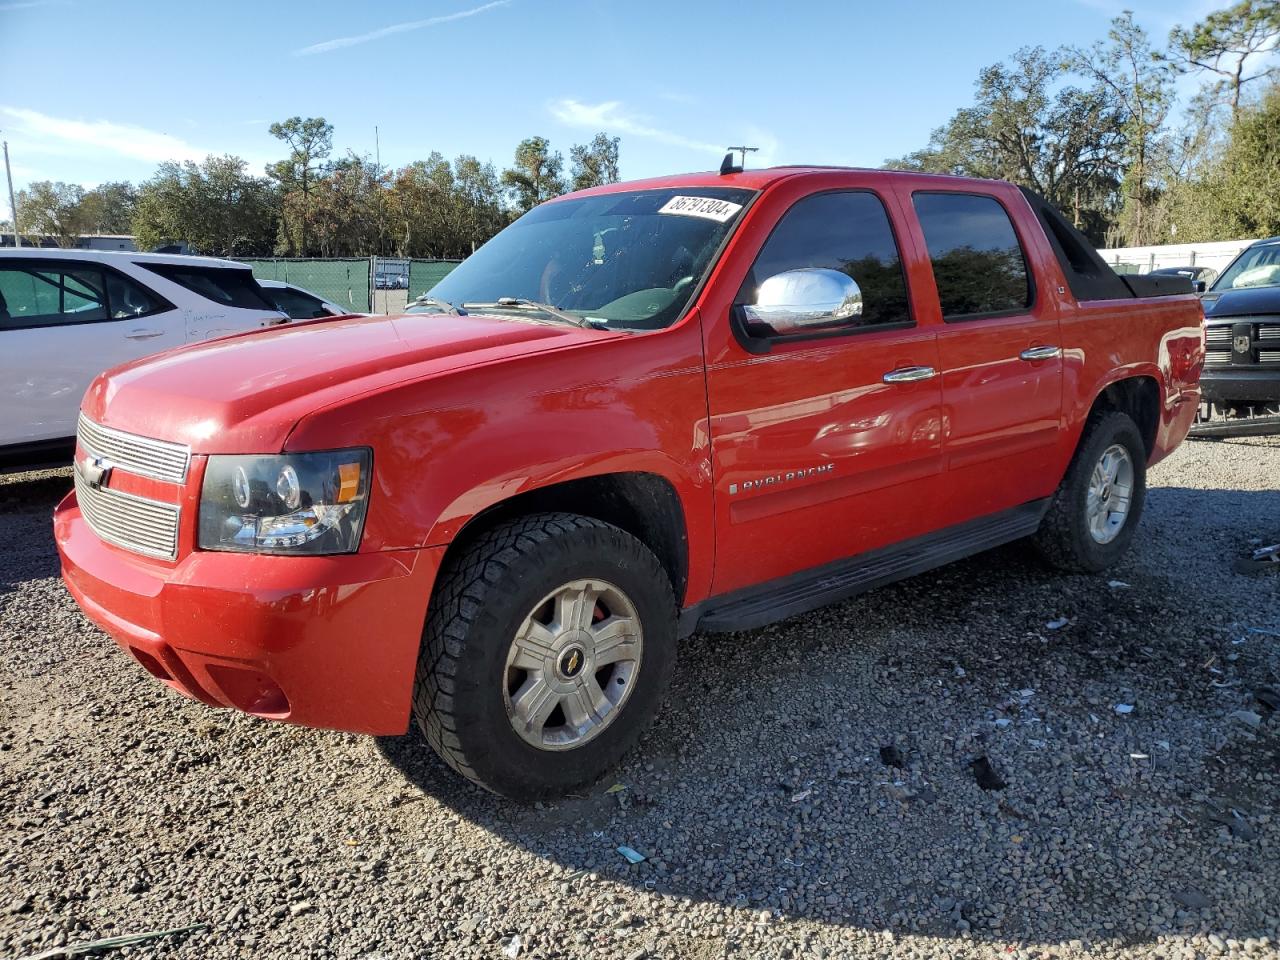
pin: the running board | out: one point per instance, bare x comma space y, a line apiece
800, 593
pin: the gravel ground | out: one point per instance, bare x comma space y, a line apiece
810, 790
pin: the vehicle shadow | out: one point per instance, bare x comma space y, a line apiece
764, 784
26, 526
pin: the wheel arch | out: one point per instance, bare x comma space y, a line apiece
645, 505
1139, 396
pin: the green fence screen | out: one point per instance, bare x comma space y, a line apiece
425, 274
344, 281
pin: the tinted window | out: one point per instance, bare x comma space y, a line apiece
38, 296
224, 285
848, 232
128, 299
298, 305
978, 264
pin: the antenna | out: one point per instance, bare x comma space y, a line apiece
744, 151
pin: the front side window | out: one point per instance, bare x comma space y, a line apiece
228, 286
978, 264
45, 296
847, 232
628, 260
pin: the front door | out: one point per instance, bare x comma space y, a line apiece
829, 444
61, 324
1001, 356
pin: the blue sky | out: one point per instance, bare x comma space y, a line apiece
95, 90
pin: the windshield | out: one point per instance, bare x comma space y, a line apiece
628, 260
1258, 266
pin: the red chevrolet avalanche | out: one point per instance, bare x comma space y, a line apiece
703, 402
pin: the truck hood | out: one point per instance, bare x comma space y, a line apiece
245, 393
1246, 302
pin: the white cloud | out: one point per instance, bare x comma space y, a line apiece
58, 135
395, 28
611, 116
29, 4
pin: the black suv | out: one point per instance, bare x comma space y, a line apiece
1241, 379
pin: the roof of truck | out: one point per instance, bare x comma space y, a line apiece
759, 179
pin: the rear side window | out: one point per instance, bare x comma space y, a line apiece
227, 286
978, 264
36, 296
296, 304
848, 232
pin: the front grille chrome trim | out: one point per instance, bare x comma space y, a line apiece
133, 523
142, 456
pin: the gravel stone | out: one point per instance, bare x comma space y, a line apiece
1145, 835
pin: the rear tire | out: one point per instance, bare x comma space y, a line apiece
1083, 531
552, 606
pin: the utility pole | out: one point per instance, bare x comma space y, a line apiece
13, 204
744, 151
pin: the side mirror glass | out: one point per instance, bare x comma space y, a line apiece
1199, 286
809, 300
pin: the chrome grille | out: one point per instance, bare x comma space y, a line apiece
143, 526
157, 459
1217, 356
1269, 356
1269, 331
1218, 336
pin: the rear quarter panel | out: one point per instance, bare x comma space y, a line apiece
1105, 341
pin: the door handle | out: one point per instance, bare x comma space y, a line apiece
1032, 354
143, 333
909, 374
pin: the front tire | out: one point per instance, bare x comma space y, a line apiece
1094, 514
548, 646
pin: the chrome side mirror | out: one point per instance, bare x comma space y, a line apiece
809, 300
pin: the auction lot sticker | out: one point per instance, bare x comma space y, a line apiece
706, 207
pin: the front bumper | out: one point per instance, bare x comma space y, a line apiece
320, 641
1227, 384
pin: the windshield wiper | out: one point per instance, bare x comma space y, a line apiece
521, 303
444, 305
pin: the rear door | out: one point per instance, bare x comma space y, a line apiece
219, 300
62, 322
815, 455
1000, 351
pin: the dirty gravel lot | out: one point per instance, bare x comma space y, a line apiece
809, 790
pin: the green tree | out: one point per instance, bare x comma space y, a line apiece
109, 207
1029, 126
479, 195
535, 175
595, 163
54, 210
1142, 83
346, 209
216, 206
310, 144
1247, 189
1228, 44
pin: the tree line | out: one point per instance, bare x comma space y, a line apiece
1092, 130
314, 204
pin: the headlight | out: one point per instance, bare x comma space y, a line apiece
301, 503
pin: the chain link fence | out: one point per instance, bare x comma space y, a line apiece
345, 281
361, 284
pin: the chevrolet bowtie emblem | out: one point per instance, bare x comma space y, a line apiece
96, 471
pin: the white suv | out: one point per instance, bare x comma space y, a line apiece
67, 315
